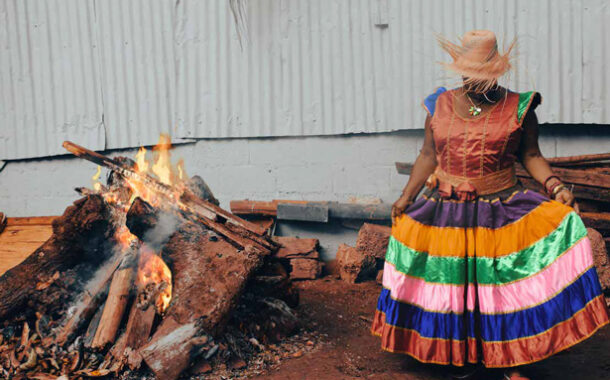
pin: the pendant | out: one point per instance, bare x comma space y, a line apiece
474, 111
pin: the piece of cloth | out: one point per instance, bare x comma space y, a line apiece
503, 279
513, 272
477, 146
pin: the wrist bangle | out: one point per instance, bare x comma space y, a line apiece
546, 181
557, 189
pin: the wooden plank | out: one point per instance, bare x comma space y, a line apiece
17, 242
575, 176
579, 159
596, 220
30, 220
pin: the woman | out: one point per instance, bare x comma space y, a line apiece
480, 270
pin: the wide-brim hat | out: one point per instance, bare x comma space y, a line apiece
477, 58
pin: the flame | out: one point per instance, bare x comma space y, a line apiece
124, 237
153, 270
161, 167
141, 161
97, 186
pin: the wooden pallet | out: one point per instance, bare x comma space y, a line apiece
21, 237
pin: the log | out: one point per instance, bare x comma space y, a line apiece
373, 240
209, 275
305, 269
585, 158
262, 208
174, 347
77, 240
575, 176
596, 220
293, 247
139, 326
580, 191
93, 296
354, 265
116, 303
2, 221
193, 207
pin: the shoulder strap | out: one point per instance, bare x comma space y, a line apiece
527, 100
429, 103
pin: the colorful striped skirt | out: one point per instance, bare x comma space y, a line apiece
503, 280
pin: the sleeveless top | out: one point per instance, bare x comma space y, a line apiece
480, 147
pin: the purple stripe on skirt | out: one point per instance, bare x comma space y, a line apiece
477, 213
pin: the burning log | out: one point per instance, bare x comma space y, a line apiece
191, 206
78, 238
115, 306
209, 275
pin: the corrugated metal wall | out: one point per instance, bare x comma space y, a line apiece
49, 77
114, 74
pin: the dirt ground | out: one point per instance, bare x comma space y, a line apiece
342, 313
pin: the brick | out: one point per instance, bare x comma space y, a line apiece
354, 265
373, 240
305, 269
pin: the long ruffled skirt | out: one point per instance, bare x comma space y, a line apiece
506, 279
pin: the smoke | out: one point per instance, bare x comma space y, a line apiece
157, 236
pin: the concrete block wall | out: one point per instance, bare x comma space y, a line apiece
309, 168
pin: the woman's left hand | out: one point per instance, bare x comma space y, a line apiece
566, 197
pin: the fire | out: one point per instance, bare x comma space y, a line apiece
153, 270
96, 179
124, 237
161, 167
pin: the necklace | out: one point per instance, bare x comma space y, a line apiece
474, 110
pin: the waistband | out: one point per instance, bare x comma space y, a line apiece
468, 188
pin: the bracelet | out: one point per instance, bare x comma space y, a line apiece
546, 181
557, 189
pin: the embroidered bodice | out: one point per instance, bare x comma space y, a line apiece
476, 147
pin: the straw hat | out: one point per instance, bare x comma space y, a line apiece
477, 58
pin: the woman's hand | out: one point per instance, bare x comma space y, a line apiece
399, 206
566, 197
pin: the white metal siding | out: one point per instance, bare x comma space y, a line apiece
114, 74
49, 77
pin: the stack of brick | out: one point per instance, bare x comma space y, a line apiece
363, 262
301, 255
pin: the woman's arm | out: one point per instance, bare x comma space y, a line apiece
533, 161
424, 166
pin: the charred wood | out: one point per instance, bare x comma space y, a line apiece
79, 237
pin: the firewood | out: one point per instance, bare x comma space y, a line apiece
248, 207
89, 303
201, 304
579, 159
293, 247
2, 221
192, 206
116, 303
139, 323
77, 238
172, 348
577, 177
373, 240
597, 220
